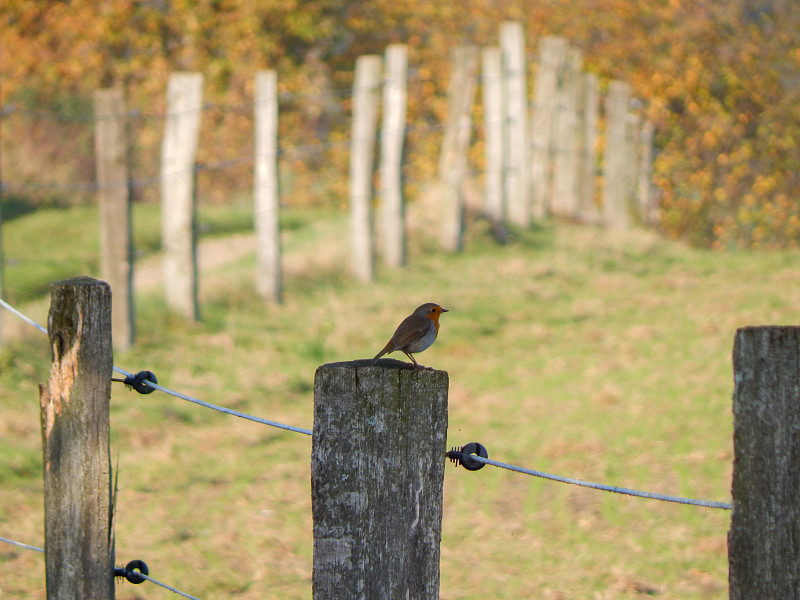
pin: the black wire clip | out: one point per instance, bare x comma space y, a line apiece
137, 382
131, 571
463, 456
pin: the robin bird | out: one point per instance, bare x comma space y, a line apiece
416, 333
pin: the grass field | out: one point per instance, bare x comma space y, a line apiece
569, 350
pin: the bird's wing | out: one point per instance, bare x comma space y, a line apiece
410, 330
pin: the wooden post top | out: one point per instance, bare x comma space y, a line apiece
383, 363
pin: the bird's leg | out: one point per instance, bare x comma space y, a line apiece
416, 364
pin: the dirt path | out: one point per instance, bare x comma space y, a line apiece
212, 253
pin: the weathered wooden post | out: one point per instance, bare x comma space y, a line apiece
116, 250
515, 94
178, 158
493, 120
565, 168
648, 206
589, 116
366, 87
79, 539
453, 159
377, 471
393, 133
764, 538
618, 154
266, 197
552, 55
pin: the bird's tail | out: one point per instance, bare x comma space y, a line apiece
386, 349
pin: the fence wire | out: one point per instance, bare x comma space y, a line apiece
165, 586
21, 545
603, 487
218, 408
138, 573
161, 388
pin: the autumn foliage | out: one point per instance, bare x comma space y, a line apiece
720, 80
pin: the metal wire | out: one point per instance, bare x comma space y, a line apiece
222, 409
603, 487
160, 388
25, 318
21, 545
165, 586
138, 573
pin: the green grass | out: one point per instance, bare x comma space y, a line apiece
569, 350
50, 245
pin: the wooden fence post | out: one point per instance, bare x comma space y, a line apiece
393, 132
648, 206
266, 197
590, 104
512, 44
453, 158
566, 149
552, 54
178, 158
763, 549
366, 86
79, 539
377, 472
493, 119
616, 172
116, 251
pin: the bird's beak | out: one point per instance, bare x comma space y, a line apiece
445, 310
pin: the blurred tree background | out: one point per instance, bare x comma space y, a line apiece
719, 78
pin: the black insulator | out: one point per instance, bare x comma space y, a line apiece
133, 571
138, 382
463, 456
